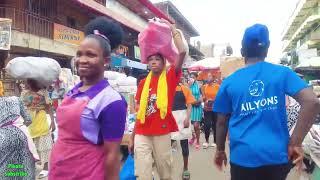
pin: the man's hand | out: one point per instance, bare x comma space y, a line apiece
131, 144
186, 123
295, 154
220, 159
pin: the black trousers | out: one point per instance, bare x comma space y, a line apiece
210, 119
272, 172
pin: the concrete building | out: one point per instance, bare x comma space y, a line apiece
53, 28
170, 10
301, 36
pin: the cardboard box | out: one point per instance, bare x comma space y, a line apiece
229, 65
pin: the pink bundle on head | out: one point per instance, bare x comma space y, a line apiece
157, 38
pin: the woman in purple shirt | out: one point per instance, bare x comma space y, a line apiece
91, 118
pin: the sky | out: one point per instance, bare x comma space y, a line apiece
224, 21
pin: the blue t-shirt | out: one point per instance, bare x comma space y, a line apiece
255, 98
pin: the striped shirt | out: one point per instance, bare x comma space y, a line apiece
196, 113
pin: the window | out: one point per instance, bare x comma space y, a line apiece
71, 22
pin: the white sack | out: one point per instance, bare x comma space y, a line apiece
42, 69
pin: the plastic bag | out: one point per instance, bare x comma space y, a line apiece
128, 81
42, 69
127, 171
157, 38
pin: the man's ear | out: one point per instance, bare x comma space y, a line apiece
242, 53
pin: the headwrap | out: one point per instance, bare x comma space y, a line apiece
162, 97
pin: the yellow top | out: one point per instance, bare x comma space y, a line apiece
162, 99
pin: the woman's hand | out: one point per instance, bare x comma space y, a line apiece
131, 144
186, 123
52, 126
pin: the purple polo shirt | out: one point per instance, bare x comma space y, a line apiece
104, 116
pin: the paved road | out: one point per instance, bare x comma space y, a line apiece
202, 168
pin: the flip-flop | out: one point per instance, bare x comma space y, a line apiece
43, 174
186, 175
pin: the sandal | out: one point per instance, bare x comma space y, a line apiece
186, 175
197, 147
43, 174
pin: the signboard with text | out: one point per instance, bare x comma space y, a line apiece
67, 35
5, 33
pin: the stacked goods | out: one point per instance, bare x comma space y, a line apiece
229, 65
127, 87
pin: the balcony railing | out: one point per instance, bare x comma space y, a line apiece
28, 22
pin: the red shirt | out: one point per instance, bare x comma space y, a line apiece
154, 125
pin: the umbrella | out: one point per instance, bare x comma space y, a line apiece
205, 64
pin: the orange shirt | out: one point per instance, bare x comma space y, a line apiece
154, 125
210, 92
187, 94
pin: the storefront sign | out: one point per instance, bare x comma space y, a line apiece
137, 54
67, 35
5, 33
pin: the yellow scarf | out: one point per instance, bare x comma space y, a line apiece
162, 97
1, 89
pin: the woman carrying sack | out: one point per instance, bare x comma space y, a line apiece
36, 98
151, 139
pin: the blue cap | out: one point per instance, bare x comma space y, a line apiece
256, 36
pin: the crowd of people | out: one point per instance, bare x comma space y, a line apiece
249, 108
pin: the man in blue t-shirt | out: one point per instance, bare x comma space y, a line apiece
251, 106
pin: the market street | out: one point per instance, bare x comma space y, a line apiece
202, 168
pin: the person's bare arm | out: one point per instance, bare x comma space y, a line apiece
310, 107
186, 122
220, 158
221, 130
177, 38
112, 160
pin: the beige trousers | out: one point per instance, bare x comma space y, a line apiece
149, 150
